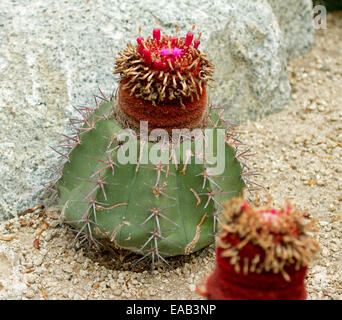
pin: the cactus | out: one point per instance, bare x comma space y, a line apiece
158, 208
261, 254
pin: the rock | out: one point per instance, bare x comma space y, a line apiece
53, 58
332, 208
296, 24
312, 107
67, 268
38, 261
31, 278
117, 292
29, 294
192, 287
321, 108
325, 252
83, 273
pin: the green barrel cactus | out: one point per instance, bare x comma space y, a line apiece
168, 201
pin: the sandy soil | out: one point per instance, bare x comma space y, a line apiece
298, 153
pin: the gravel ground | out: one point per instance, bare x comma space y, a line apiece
298, 152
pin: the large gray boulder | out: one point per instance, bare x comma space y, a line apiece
252, 47
55, 54
296, 24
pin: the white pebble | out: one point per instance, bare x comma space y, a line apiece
117, 292
38, 261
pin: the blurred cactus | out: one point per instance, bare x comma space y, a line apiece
262, 254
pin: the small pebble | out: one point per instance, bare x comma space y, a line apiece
67, 268
117, 292
332, 208
29, 294
38, 261
54, 223
339, 138
321, 108
325, 252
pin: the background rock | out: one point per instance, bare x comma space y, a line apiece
55, 54
296, 24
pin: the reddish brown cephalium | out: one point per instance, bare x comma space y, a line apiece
163, 80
